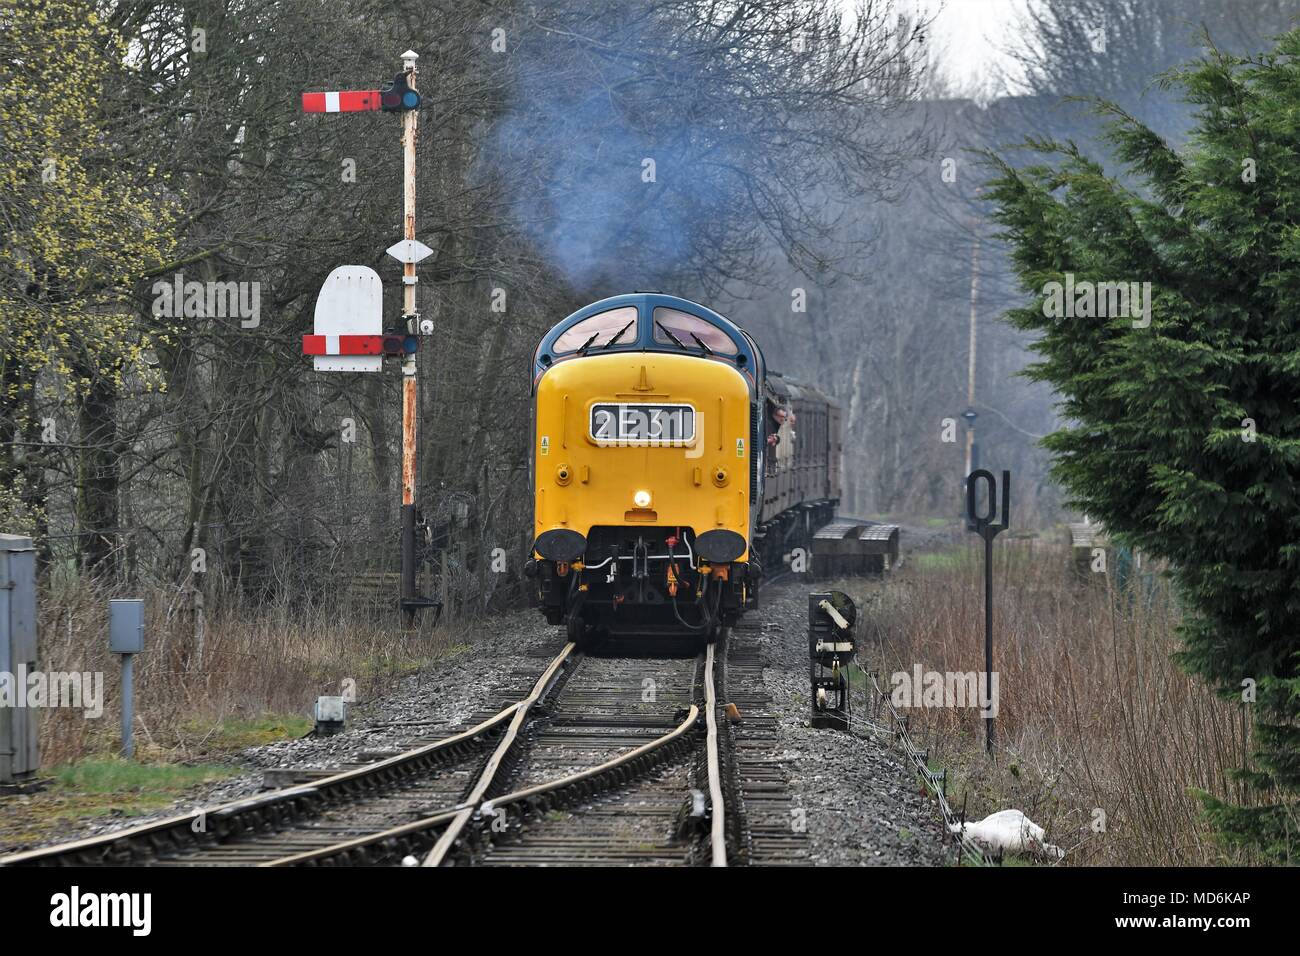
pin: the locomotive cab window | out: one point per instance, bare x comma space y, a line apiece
686, 331
599, 331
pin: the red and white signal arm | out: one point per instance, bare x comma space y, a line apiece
350, 304
341, 101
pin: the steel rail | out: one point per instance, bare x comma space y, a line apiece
560, 783
476, 796
362, 842
454, 818
718, 833
283, 803
509, 799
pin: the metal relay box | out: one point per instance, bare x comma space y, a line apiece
20, 755
126, 626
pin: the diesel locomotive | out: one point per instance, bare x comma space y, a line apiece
669, 468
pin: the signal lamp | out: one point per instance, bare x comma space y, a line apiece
398, 97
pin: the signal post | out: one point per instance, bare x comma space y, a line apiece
349, 310
410, 393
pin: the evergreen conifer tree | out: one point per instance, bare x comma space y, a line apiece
1183, 435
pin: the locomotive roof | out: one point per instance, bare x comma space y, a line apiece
747, 356
784, 387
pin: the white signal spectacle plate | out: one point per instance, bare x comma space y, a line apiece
351, 302
410, 250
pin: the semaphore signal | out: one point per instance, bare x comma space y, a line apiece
349, 310
359, 344
397, 96
341, 101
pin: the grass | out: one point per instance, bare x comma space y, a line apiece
238, 733
95, 788
949, 560
1095, 717
968, 558
258, 676
116, 777
260, 672
99, 786
930, 521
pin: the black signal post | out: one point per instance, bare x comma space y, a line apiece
988, 529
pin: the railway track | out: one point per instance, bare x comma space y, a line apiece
766, 828
659, 815
593, 765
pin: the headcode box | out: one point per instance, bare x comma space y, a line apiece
126, 626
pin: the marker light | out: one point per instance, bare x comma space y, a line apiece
641, 499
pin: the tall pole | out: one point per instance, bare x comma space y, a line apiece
970, 371
988, 637
988, 529
410, 402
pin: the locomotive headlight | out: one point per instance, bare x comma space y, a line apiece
641, 499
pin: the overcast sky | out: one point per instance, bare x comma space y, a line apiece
969, 32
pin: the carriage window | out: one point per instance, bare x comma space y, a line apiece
691, 331
599, 330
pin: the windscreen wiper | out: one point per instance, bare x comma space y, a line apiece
700, 342
583, 346
667, 332
618, 335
